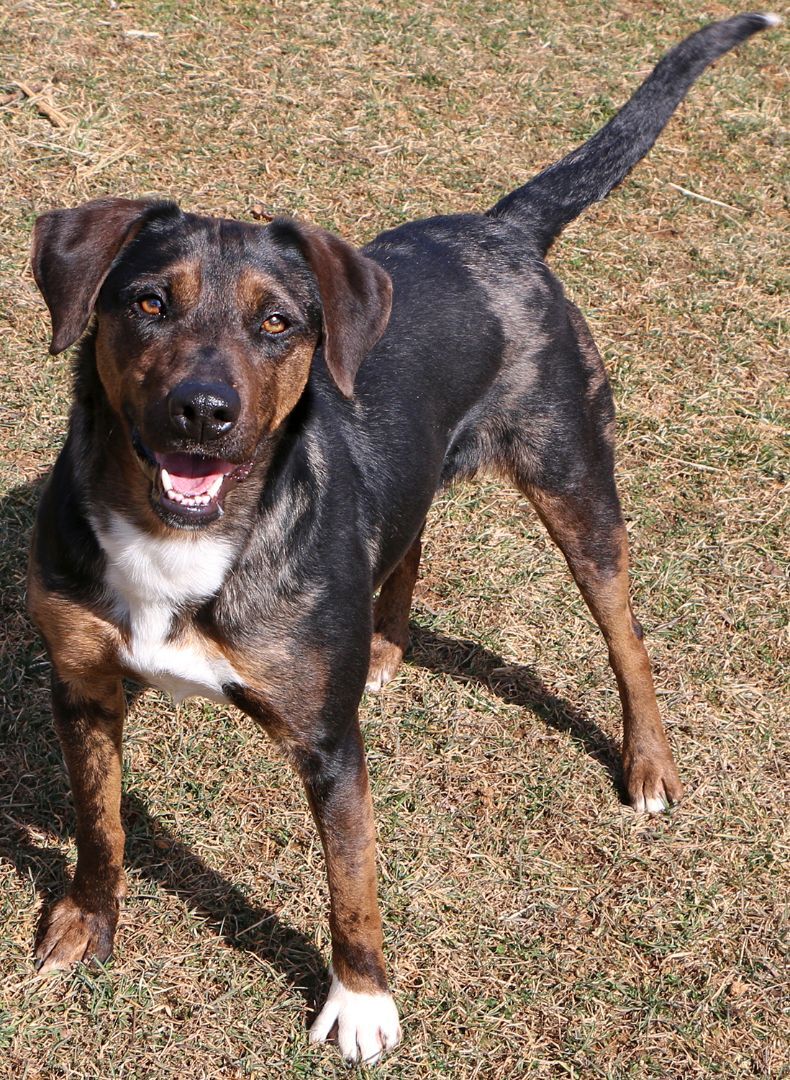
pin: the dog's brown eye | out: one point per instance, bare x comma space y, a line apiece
274, 324
151, 305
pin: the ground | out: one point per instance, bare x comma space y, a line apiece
534, 925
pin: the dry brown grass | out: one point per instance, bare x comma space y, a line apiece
534, 925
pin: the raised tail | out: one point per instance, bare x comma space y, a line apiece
559, 194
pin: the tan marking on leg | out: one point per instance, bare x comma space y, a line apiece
650, 773
283, 687
359, 1003
391, 619
81, 643
88, 706
338, 792
89, 723
90, 731
350, 847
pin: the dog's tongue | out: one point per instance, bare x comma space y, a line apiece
192, 475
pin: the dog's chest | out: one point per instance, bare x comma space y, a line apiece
150, 581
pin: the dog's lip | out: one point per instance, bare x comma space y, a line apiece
190, 485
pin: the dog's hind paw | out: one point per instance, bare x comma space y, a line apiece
71, 935
366, 1024
385, 658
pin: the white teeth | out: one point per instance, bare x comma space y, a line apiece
188, 500
194, 501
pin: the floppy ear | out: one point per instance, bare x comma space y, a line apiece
356, 296
73, 251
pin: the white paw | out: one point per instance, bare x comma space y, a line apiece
367, 1024
647, 805
377, 682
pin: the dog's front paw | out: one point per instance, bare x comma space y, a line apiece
385, 658
70, 934
367, 1024
652, 782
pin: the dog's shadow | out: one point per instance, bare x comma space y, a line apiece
515, 684
35, 807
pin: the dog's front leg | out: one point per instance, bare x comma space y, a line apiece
89, 722
359, 1002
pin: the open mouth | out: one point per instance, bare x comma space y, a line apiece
190, 488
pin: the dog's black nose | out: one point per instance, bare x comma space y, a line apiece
203, 411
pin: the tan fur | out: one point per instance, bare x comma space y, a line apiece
285, 686
391, 617
89, 721
647, 759
253, 289
83, 645
290, 381
186, 279
349, 842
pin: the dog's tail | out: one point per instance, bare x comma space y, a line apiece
559, 194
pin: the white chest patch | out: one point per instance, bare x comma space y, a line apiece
148, 580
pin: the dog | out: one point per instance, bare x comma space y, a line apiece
262, 416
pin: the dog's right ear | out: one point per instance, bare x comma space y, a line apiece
73, 251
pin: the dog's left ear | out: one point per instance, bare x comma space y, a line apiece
356, 296
73, 251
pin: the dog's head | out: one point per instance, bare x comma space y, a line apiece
206, 330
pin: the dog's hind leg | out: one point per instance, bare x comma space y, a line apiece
563, 461
391, 619
89, 722
589, 530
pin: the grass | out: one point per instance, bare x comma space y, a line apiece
534, 926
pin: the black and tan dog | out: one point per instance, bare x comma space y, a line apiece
263, 415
